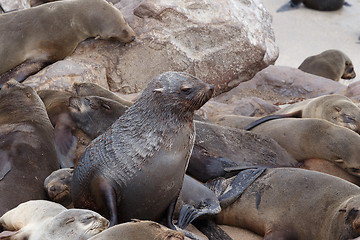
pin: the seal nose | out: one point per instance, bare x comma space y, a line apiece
211, 88
132, 38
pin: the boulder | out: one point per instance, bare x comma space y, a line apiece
222, 42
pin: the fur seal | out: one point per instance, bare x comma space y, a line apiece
320, 5
27, 150
94, 114
137, 229
58, 186
45, 220
332, 64
307, 138
335, 108
92, 89
27, 46
56, 104
272, 207
157, 129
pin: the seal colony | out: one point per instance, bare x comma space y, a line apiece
51, 31
155, 135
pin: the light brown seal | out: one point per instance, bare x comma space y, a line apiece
307, 138
27, 45
139, 230
335, 108
332, 64
297, 204
27, 150
118, 175
45, 220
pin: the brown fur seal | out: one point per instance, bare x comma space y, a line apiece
308, 138
93, 114
319, 207
57, 103
332, 64
45, 220
157, 129
59, 27
27, 150
335, 108
139, 230
58, 186
92, 89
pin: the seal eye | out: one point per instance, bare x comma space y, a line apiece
70, 220
87, 219
186, 90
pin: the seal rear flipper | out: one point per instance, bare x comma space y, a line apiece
22, 71
65, 144
189, 213
105, 197
5, 163
211, 230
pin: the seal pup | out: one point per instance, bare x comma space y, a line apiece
93, 89
58, 186
45, 220
27, 46
56, 104
272, 207
94, 114
155, 134
334, 108
27, 149
332, 64
137, 229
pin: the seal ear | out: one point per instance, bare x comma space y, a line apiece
158, 90
338, 108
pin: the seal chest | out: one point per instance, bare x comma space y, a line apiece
136, 168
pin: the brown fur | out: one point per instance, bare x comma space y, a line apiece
332, 64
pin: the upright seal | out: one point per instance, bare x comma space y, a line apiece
33, 38
136, 168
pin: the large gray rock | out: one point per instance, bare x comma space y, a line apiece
10, 5
223, 42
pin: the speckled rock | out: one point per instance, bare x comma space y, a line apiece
222, 42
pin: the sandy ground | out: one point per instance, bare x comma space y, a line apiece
305, 32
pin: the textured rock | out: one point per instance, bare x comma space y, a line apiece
222, 42
282, 85
9, 5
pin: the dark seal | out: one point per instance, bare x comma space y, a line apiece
136, 168
27, 150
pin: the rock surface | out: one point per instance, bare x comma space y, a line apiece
222, 42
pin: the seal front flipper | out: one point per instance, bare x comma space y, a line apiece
22, 71
296, 114
5, 163
237, 186
289, 6
105, 198
65, 141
